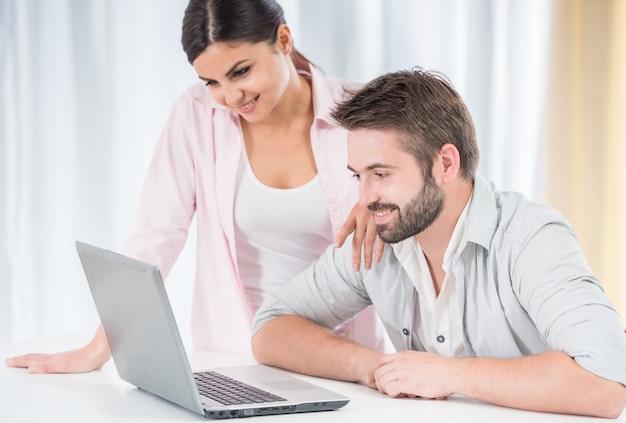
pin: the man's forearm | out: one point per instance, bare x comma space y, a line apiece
551, 382
297, 344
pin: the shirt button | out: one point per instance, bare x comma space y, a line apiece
405, 331
440, 339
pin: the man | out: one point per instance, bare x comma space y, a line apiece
483, 293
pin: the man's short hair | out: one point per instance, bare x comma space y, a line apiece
424, 110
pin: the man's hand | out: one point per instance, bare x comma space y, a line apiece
414, 374
565, 387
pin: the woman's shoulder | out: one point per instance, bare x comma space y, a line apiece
195, 103
195, 95
194, 112
328, 91
336, 87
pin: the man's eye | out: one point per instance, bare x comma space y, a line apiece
380, 175
356, 176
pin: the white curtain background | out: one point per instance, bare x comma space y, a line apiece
86, 86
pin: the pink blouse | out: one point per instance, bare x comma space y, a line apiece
193, 171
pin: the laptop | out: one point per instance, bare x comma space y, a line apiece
148, 352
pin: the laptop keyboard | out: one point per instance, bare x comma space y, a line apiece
229, 391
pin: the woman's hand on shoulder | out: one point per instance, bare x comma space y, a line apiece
365, 242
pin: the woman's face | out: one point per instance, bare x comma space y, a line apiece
249, 79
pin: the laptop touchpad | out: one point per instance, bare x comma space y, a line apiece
287, 385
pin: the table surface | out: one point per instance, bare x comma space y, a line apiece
101, 396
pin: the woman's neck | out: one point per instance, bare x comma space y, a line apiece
295, 106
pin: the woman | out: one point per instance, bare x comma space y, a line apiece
253, 155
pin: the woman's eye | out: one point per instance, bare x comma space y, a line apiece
241, 72
210, 83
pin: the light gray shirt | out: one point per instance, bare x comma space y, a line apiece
523, 287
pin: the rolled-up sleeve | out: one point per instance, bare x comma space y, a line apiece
328, 292
568, 304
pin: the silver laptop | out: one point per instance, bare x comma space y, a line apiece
148, 352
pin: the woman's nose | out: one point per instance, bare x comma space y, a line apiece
233, 96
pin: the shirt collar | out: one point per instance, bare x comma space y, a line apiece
477, 222
457, 236
324, 98
482, 216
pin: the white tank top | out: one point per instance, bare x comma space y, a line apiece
279, 232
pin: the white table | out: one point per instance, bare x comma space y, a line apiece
102, 397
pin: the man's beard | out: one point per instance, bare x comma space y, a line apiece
413, 218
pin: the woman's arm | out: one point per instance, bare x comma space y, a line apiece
85, 359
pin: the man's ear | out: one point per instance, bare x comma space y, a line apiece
450, 162
284, 41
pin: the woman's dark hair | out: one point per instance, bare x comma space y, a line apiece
232, 21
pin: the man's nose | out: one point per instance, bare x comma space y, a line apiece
367, 194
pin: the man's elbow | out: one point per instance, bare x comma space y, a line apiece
269, 339
615, 402
606, 400
260, 347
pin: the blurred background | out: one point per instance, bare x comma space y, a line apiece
86, 86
